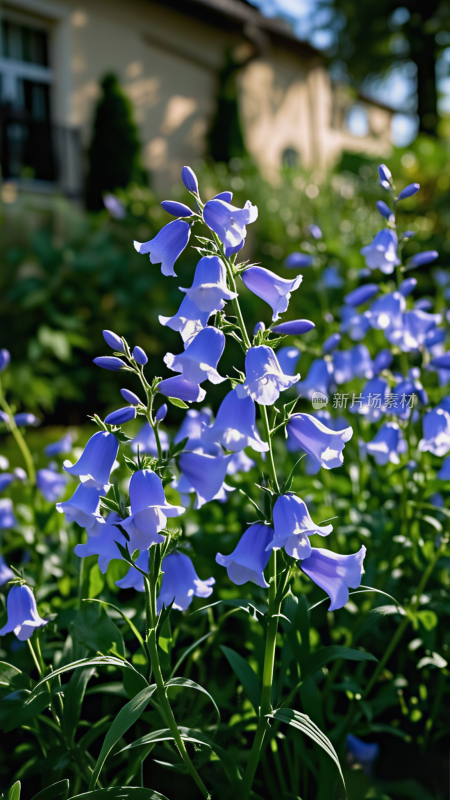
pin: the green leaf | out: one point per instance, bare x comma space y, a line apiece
14, 792
121, 793
126, 717
111, 505
96, 581
374, 619
428, 619
303, 723
108, 661
13, 677
250, 681
74, 693
57, 791
188, 684
177, 447
322, 656
21, 706
176, 402
93, 628
124, 616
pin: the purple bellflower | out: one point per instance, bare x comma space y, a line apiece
6, 574
51, 484
381, 253
331, 343
134, 579
331, 279
409, 191
84, 507
288, 359
7, 518
387, 445
104, 544
97, 459
335, 573
354, 323
294, 327
384, 210
204, 473
189, 179
275, 291
229, 222
114, 205
63, 445
111, 363
167, 245
420, 259
149, 510
372, 403
199, 361
415, 326
386, 312
293, 525
24, 419
176, 209
130, 397
114, 341
145, 440
6, 480
140, 356
318, 379
180, 583
249, 559
209, 288
181, 389
240, 462
264, 377
362, 753
5, 358
298, 261
436, 432
444, 472
23, 617
382, 360
188, 320
361, 295
192, 426
235, 425
385, 176
407, 286
319, 441
353, 363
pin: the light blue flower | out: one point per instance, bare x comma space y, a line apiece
362, 294
335, 573
249, 559
149, 510
83, 507
6, 574
63, 445
381, 253
386, 312
121, 416
319, 441
103, 543
96, 460
382, 360
167, 245
205, 474
275, 291
7, 518
298, 261
362, 753
235, 425
199, 361
412, 333
51, 484
387, 445
5, 358
112, 363
318, 379
228, 221
145, 441
264, 377
294, 327
209, 289
288, 359
181, 389
188, 320
436, 432
189, 179
133, 579
372, 401
293, 525
114, 341
353, 323
192, 426
6, 480
23, 617
180, 583
353, 363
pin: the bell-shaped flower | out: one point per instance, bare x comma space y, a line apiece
382, 360
249, 559
51, 484
386, 312
295, 327
319, 441
381, 253
7, 518
318, 379
444, 472
372, 402
362, 753
145, 440
192, 426
235, 425
149, 510
407, 286
353, 363
6, 480
334, 573
264, 378
205, 473
298, 261
228, 221
134, 579
293, 525
362, 294
387, 445
63, 445
209, 288
331, 279
240, 462
180, 583
23, 617
406, 394
353, 323
312, 464
412, 333
288, 359
181, 389
104, 544
6, 574
84, 507
188, 320
436, 432
271, 288
199, 361
167, 245
96, 460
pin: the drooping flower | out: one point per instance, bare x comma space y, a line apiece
293, 525
134, 579
372, 402
362, 294
381, 253
149, 510
275, 291
192, 425
6, 574
436, 432
84, 507
180, 583
167, 245
298, 260
264, 377
7, 518
181, 389
235, 425
63, 445
188, 320
23, 617
104, 544
51, 484
229, 222
318, 379
288, 359
413, 330
295, 327
387, 445
121, 416
97, 459
318, 440
354, 323
249, 559
204, 473
386, 312
335, 573
209, 289
353, 363
145, 440
199, 361
405, 394
362, 753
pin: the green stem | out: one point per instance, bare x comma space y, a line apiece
268, 438
12, 427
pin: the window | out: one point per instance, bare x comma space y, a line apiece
25, 102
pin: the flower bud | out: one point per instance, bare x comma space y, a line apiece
109, 362
298, 261
176, 209
139, 356
409, 191
161, 413
114, 341
5, 358
258, 327
419, 259
121, 416
130, 397
189, 179
384, 209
